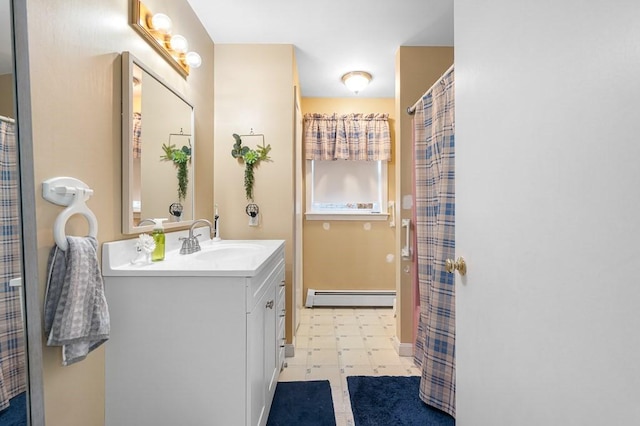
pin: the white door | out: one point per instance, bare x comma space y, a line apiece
548, 212
298, 200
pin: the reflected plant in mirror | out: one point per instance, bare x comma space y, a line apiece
157, 145
180, 157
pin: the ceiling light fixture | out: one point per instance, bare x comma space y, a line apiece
356, 80
156, 29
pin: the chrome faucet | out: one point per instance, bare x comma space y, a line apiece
191, 244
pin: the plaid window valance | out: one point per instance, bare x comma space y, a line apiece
363, 137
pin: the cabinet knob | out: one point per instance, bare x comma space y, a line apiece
270, 304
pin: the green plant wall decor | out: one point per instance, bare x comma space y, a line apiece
251, 159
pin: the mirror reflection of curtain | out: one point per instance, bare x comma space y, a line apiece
12, 348
137, 132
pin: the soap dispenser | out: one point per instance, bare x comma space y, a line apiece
159, 238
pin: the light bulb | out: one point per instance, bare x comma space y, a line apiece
161, 23
356, 80
179, 43
193, 59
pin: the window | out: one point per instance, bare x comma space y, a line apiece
346, 190
347, 165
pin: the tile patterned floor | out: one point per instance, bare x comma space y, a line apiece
333, 343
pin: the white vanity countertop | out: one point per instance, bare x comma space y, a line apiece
231, 258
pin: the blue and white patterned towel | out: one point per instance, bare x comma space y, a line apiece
76, 315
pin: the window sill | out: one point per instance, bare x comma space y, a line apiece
346, 216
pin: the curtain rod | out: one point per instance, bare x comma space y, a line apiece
412, 109
7, 119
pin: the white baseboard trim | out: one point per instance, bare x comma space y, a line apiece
356, 298
403, 349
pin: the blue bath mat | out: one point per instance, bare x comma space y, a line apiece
387, 400
16, 413
302, 404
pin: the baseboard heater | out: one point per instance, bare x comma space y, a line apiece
350, 298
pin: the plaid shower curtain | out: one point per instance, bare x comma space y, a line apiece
12, 355
434, 138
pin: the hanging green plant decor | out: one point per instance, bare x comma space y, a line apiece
181, 157
251, 159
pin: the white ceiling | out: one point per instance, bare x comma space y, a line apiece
332, 37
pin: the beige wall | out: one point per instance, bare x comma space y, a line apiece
417, 68
7, 107
75, 62
254, 89
348, 257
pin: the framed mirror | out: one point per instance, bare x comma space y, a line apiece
158, 148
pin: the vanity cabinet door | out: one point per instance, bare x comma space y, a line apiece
272, 321
260, 338
281, 313
270, 349
263, 365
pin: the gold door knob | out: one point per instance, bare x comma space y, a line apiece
459, 264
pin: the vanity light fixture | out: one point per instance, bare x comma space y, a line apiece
156, 29
179, 43
356, 80
161, 22
193, 59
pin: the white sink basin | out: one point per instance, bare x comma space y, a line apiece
216, 258
225, 252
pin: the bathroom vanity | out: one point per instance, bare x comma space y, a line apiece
196, 339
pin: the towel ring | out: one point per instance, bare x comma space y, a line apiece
71, 192
77, 206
